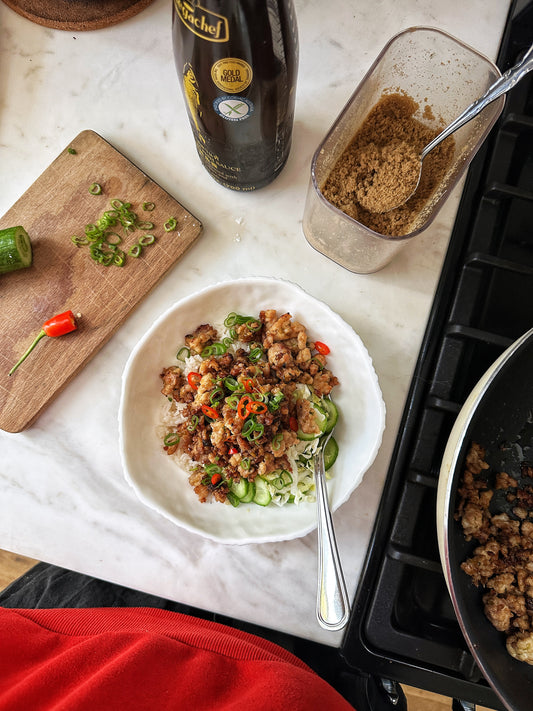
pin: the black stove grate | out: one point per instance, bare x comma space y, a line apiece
403, 625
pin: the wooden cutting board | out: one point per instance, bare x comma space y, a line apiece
63, 276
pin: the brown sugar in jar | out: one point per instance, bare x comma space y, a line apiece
391, 138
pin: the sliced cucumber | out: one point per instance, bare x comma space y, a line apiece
234, 500
240, 488
321, 420
15, 249
331, 452
262, 495
332, 415
250, 494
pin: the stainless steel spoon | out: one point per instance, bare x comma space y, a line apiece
501, 86
332, 604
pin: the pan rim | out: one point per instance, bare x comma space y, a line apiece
454, 454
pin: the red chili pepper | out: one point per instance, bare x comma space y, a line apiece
293, 424
322, 348
194, 380
56, 326
210, 412
256, 408
241, 407
216, 478
249, 385
233, 450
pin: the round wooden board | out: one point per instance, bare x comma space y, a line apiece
77, 15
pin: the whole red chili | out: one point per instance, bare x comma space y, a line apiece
322, 348
56, 326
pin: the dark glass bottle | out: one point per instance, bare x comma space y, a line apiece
237, 61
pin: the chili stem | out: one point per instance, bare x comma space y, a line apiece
23, 358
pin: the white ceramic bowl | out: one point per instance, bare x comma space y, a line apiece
158, 480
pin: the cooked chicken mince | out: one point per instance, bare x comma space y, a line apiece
247, 407
503, 562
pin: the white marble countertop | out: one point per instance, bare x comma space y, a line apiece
64, 498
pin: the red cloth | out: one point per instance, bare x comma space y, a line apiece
146, 658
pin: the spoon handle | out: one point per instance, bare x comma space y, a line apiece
332, 605
501, 86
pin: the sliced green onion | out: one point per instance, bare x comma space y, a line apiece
95, 189
231, 383
79, 241
232, 402
135, 250
193, 423
256, 433
146, 239
245, 463
255, 354
113, 234
119, 258
145, 226
170, 224
248, 427
183, 350
213, 349
216, 396
212, 469
276, 441
234, 319
72, 151
148, 206
171, 439
273, 405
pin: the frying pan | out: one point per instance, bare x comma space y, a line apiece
497, 412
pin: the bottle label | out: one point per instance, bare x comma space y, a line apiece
233, 108
204, 23
231, 74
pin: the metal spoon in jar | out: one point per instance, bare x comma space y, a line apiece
406, 172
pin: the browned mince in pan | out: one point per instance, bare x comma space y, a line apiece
502, 564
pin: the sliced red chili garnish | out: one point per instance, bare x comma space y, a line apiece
194, 380
322, 348
241, 407
293, 424
210, 412
233, 450
256, 408
249, 385
216, 479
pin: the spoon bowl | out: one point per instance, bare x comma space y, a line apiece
397, 176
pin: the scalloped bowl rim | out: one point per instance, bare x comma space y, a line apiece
156, 478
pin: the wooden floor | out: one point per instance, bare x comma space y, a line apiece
13, 566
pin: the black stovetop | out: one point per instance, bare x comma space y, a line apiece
403, 625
